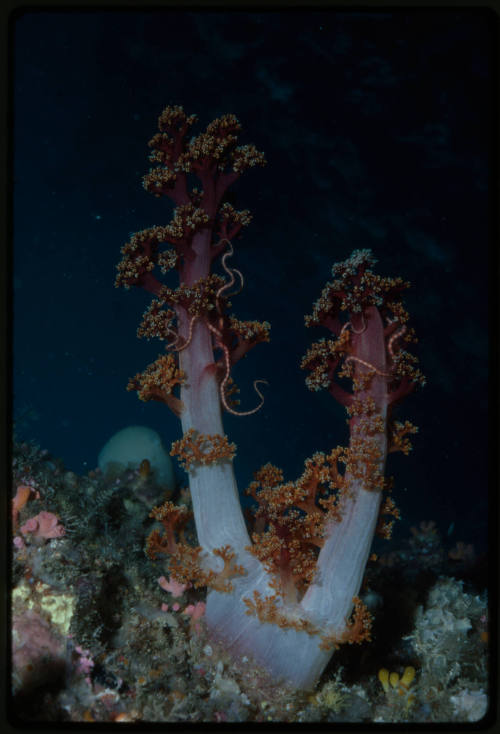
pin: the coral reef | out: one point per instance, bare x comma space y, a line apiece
101, 634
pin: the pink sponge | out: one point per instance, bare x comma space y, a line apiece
43, 525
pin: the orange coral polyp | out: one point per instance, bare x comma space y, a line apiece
158, 381
202, 449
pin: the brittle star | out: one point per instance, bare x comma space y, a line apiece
219, 339
353, 358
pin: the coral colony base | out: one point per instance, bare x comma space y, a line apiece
289, 588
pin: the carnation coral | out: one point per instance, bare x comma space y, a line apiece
287, 589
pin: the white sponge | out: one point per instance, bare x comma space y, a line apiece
127, 448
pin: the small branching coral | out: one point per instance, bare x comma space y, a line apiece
184, 561
290, 591
290, 523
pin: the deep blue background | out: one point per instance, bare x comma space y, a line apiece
376, 127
